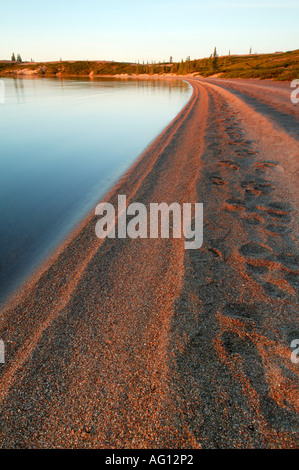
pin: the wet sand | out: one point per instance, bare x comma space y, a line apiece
142, 344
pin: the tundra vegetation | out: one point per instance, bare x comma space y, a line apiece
276, 66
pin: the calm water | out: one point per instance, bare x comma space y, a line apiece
63, 144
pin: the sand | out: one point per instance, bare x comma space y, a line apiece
142, 344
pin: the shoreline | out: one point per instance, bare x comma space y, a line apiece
155, 345
52, 256
278, 66
96, 77
141, 77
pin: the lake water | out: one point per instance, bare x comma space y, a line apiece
62, 145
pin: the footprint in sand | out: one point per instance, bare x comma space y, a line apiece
278, 210
281, 206
242, 311
232, 343
253, 219
216, 253
255, 250
276, 416
265, 187
273, 291
254, 269
280, 216
248, 183
230, 164
245, 153
261, 168
265, 164
288, 260
277, 229
233, 205
293, 280
217, 180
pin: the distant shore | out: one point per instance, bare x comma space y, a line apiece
280, 66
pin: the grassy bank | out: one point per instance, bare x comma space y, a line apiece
277, 66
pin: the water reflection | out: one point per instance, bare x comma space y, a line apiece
63, 143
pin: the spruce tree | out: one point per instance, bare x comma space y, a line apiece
215, 60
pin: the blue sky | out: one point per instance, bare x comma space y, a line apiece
145, 30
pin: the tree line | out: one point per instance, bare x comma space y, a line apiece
18, 59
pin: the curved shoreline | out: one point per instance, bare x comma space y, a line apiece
20, 274
14, 297
145, 344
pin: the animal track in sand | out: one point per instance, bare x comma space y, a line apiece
245, 153
217, 180
233, 205
253, 369
263, 167
232, 342
290, 261
277, 229
230, 164
253, 219
273, 291
264, 187
252, 193
255, 250
242, 311
217, 254
281, 206
249, 183
279, 212
282, 217
278, 418
256, 269
265, 164
273, 212
293, 279
258, 186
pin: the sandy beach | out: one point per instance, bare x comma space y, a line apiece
123, 343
